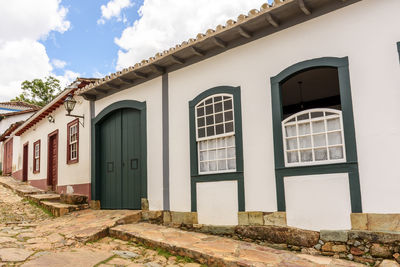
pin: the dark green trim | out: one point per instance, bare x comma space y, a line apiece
234, 176
351, 165
141, 106
398, 49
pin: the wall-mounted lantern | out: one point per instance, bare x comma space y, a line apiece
51, 119
69, 104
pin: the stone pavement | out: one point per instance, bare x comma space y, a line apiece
30, 237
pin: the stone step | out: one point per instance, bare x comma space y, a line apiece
43, 197
215, 250
59, 209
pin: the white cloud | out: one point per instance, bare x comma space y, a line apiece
68, 77
22, 56
59, 64
113, 9
165, 23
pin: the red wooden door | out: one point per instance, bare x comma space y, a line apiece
52, 161
25, 164
8, 153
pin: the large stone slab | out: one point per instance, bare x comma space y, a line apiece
215, 250
334, 236
279, 235
14, 254
78, 257
375, 237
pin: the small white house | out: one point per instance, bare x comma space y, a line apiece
291, 108
52, 150
12, 114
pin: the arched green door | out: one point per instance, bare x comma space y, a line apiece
120, 160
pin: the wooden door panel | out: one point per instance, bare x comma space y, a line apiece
131, 197
110, 161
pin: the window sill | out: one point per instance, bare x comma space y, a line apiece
70, 162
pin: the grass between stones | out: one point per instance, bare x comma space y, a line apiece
32, 203
105, 261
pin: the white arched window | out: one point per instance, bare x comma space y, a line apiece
313, 136
215, 134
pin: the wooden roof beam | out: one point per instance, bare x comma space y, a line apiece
112, 86
177, 60
157, 69
139, 75
306, 10
244, 33
125, 80
271, 20
101, 91
89, 97
197, 51
219, 42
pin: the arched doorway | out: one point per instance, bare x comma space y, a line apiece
119, 156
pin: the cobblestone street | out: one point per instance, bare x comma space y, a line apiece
30, 237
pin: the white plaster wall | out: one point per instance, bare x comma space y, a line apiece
216, 205
152, 94
318, 202
68, 174
17, 155
367, 33
6, 122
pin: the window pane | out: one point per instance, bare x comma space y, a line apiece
231, 164
222, 153
291, 143
220, 142
333, 124
321, 154
209, 101
203, 145
229, 127
200, 112
230, 141
221, 164
318, 126
231, 152
203, 156
303, 117
212, 144
217, 98
219, 129
209, 110
291, 130
228, 104
219, 118
305, 142
201, 132
213, 166
317, 114
218, 107
212, 154
306, 155
228, 116
200, 122
210, 120
319, 140
336, 152
304, 128
292, 157
335, 138
204, 166
210, 131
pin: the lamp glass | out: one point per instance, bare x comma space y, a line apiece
69, 103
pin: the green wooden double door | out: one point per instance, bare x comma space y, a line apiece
120, 158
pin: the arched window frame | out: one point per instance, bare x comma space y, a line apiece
228, 143
237, 175
293, 121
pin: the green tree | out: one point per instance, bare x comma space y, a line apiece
39, 92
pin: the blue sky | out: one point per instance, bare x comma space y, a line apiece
88, 47
93, 38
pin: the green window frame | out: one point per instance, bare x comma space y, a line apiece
398, 49
228, 176
351, 164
